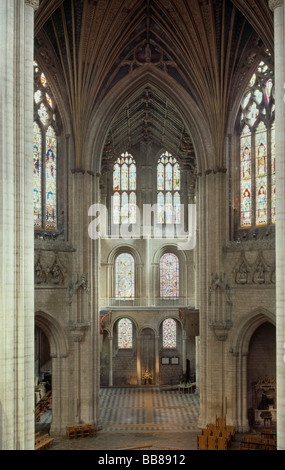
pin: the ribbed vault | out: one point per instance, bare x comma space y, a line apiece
208, 48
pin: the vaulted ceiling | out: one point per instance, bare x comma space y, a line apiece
205, 47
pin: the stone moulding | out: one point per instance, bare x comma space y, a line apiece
221, 329
77, 330
275, 4
33, 3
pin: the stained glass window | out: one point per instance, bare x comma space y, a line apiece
125, 334
169, 276
37, 176
168, 190
169, 334
257, 156
124, 190
245, 159
51, 210
125, 276
273, 176
261, 174
45, 155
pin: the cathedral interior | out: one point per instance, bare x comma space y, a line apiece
148, 251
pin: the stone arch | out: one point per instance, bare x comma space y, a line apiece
119, 317
246, 328
147, 326
111, 265
55, 334
118, 250
239, 349
182, 259
59, 351
165, 85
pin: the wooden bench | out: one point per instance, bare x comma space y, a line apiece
43, 442
81, 430
202, 442
257, 443
42, 406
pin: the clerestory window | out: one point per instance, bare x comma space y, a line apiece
45, 155
257, 151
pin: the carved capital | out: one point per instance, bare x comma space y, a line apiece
33, 3
275, 3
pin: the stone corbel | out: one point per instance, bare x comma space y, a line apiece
33, 3
81, 283
221, 329
275, 4
77, 331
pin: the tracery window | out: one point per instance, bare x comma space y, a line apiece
124, 190
125, 276
257, 151
169, 334
45, 155
125, 334
168, 190
169, 276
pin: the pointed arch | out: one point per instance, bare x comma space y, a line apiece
135, 82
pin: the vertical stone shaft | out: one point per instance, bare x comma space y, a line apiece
16, 219
279, 44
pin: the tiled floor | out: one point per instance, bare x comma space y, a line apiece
133, 417
148, 409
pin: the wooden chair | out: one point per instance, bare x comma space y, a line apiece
216, 433
211, 426
226, 435
202, 442
206, 432
231, 431
252, 442
221, 423
212, 443
223, 443
268, 444
43, 442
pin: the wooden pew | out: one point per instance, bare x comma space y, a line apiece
250, 443
43, 442
223, 443
202, 442
81, 430
212, 443
42, 406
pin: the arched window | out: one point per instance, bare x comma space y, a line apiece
168, 190
125, 277
169, 276
124, 190
169, 334
45, 155
257, 151
125, 334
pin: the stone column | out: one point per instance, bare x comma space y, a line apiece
157, 338
279, 50
139, 369
110, 338
184, 339
214, 304
16, 220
